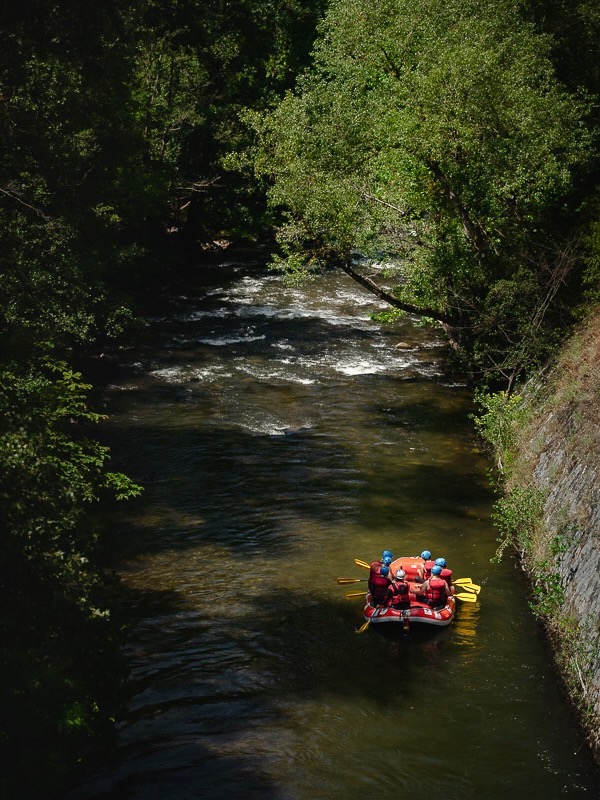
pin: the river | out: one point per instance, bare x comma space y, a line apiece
280, 433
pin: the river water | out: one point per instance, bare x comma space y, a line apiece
280, 433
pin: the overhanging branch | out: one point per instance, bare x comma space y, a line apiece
382, 294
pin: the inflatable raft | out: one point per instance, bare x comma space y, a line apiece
418, 611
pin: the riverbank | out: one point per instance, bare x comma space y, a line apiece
547, 442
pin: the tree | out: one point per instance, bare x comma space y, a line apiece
198, 67
435, 135
59, 647
113, 126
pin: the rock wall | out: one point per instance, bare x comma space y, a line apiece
557, 454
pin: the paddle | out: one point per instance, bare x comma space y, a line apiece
466, 587
351, 580
360, 563
363, 627
349, 595
466, 598
467, 583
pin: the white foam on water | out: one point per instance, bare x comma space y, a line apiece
273, 426
360, 368
283, 375
216, 313
184, 374
284, 345
258, 311
168, 374
221, 341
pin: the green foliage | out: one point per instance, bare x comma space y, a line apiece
591, 276
199, 69
548, 594
575, 29
388, 317
438, 134
499, 421
516, 516
114, 126
58, 637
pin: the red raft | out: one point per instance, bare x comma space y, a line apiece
418, 611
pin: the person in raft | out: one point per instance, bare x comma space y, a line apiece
375, 566
428, 562
435, 589
446, 572
378, 586
398, 591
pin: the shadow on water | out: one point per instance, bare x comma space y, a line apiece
196, 731
184, 728
207, 485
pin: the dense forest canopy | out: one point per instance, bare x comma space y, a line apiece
452, 139
437, 137
114, 121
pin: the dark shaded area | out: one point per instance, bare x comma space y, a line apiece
185, 763
175, 748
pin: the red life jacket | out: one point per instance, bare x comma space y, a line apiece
446, 574
435, 594
378, 586
427, 565
398, 594
375, 566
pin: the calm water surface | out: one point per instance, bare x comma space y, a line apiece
279, 434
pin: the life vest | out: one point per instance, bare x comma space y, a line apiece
378, 586
446, 574
435, 594
375, 567
398, 593
427, 567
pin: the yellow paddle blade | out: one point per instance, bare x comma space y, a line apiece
467, 583
466, 587
350, 580
360, 563
466, 598
363, 627
350, 595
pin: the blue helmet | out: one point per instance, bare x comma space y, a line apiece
385, 570
441, 562
426, 555
387, 554
387, 560
436, 570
